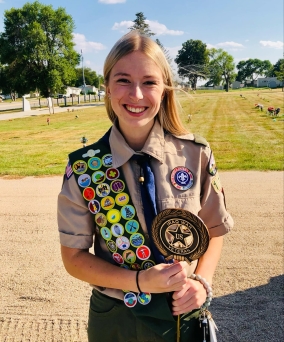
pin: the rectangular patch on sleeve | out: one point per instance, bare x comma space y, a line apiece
68, 171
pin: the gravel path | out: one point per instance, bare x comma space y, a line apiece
40, 302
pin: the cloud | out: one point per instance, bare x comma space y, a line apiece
230, 45
161, 29
155, 27
82, 44
122, 26
210, 46
2, 2
111, 2
273, 45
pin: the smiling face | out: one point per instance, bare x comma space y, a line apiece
136, 89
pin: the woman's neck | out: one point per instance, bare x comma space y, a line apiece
136, 138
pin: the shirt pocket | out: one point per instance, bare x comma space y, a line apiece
189, 203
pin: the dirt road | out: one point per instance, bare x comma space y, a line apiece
40, 302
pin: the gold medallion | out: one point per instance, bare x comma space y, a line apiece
179, 234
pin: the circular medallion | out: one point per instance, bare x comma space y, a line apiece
89, 194
94, 206
102, 190
111, 246
117, 186
107, 203
79, 167
143, 252
100, 219
107, 160
181, 178
130, 299
122, 243
132, 226
113, 216
94, 163
84, 180
105, 233
117, 229
112, 173
127, 212
144, 298
118, 258
179, 234
147, 264
98, 177
137, 240
124, 266
121, 199
129, 256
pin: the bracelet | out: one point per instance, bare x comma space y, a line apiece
207, 287
137, 283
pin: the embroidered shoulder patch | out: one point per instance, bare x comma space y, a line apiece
212, 168
68, 170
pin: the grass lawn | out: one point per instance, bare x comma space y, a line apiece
242, 137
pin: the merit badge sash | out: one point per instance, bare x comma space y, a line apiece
105, 191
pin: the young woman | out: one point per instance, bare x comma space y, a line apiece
102, 203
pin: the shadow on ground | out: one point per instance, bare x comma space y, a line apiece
253, 315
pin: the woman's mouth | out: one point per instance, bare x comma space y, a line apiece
135, 109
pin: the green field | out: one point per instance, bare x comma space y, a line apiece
242, 137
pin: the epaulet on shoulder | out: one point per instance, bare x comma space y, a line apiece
198, 139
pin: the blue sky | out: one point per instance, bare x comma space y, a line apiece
244, 28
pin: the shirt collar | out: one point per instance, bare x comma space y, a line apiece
122, 152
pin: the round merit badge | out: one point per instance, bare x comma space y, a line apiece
181, 178
179, 234
144, 298
130, 299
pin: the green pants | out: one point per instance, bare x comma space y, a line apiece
110, 320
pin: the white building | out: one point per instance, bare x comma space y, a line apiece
237, 85
89, 88
269, 82
71, 91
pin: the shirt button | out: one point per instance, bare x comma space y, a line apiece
147, 236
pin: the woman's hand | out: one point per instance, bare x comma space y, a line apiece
190, 297
164, 278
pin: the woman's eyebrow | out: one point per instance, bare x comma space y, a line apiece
121, 74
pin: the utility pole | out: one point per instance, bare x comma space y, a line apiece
84, 84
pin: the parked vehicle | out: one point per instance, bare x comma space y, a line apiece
101, 93
2, 97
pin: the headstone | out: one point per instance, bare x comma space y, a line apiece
26, 105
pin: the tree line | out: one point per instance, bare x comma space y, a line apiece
37, 54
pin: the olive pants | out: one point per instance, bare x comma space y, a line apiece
110, 320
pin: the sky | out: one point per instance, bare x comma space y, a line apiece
244, 28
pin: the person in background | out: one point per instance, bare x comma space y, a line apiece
136, 295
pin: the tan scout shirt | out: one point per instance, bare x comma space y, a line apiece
204, 198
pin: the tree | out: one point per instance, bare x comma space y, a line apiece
192, 61
279, 71
165, 51
90, 75
37, 48
221, 66
141, 25
251, 69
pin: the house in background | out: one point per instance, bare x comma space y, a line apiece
88, 89
269, 82
237, 85
72, 91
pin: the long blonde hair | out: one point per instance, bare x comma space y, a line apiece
168, 113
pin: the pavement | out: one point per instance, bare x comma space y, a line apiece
44, 111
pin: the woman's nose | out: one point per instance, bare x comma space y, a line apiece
136, 93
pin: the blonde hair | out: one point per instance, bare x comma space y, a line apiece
168, 113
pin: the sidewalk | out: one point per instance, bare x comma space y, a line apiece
42, 111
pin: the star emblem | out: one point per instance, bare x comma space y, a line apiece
179, 236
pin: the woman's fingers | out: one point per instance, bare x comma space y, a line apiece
190, 297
